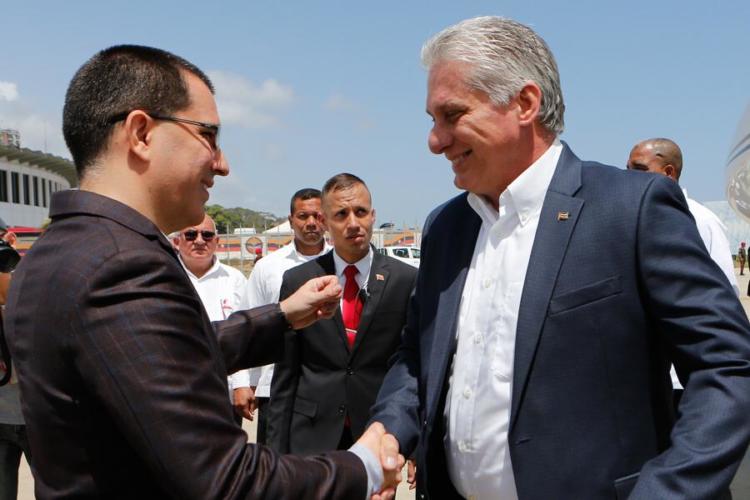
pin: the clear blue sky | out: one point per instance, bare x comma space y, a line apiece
310, 89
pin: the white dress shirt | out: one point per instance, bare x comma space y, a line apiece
222, 291
363, 266
263, 288
478, 404
713, 234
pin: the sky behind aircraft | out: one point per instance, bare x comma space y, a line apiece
310, 89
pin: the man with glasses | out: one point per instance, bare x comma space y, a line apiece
220, 287
122, 374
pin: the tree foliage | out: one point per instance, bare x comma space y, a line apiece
229, 219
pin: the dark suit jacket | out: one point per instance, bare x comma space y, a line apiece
123, 378
320, 381
611, 295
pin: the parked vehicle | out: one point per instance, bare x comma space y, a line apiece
410, 255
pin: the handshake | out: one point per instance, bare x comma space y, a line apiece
384, 448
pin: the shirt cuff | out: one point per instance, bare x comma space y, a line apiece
253, 376
372, 466
240, 379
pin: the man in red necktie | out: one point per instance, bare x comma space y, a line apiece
331, 373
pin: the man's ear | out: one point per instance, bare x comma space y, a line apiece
529, 101
670, 171
138, 134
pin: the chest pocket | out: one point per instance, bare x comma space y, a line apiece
585, 295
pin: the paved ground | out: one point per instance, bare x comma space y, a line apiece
740, 486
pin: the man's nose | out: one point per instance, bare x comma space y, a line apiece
438, 140
221, 165
352, 222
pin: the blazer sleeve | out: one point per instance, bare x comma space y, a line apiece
142, 348
397, 405
705, 329
283, 386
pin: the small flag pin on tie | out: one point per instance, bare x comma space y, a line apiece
379, 277
563, 215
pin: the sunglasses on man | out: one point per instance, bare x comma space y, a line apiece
192, 235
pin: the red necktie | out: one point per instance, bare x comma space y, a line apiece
351, 307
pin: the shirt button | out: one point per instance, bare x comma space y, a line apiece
342, 409
467, 393
487, 283
478, 339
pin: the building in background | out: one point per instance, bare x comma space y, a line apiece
28, 179
10, 137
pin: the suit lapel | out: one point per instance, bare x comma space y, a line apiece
557, 220
374, 292
454, 268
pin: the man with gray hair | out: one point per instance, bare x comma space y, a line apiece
535, 359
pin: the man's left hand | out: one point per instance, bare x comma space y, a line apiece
244, 402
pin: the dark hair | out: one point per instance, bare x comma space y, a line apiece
303, 194
341, 181
118, 80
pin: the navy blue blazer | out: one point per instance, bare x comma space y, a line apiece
611, 296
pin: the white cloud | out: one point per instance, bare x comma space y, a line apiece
242, 102
38, 130
8, 91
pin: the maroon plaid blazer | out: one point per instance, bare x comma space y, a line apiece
123, 377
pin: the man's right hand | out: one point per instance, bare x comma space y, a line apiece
385, 447
316, 299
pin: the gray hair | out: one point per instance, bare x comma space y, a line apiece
504, 55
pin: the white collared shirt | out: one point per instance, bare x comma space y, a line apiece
221, 289
263, 288
478, 405
713, 234
363, 266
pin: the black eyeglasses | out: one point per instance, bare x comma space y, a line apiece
192, 235
212, 136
